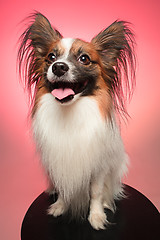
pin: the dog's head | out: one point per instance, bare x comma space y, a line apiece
72, 68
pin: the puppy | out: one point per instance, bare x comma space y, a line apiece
77, 88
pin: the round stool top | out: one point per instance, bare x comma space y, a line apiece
135, 218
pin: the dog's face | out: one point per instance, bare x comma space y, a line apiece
72, 68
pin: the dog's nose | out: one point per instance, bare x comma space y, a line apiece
60, 68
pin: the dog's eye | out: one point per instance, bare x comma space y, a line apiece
84, 59
51, 57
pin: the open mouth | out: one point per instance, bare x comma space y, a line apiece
65, 91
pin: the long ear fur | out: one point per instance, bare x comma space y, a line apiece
34, 45
115, 46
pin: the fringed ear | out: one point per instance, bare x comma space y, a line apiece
40, 34
35, 43
115, 46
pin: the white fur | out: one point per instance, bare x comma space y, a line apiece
83, 155
67, 44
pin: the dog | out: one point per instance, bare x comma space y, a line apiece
78, 88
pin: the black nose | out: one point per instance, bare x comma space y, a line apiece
60, 68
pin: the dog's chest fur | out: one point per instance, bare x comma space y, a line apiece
75, 141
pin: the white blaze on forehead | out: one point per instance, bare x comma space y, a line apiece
67, 44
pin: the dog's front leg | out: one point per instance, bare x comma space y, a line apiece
58, 208
97, 217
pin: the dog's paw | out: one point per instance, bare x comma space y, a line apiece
56, 209
98, 220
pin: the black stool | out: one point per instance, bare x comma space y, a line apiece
136, 218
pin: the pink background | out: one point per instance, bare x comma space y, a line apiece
21, 176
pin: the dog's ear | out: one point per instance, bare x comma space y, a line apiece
39, 35
113, 42
35, 43
42, 34
115, 46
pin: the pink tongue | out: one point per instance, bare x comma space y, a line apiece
61, 93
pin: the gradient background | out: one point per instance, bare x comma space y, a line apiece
21, 176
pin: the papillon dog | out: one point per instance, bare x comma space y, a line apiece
78, 88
